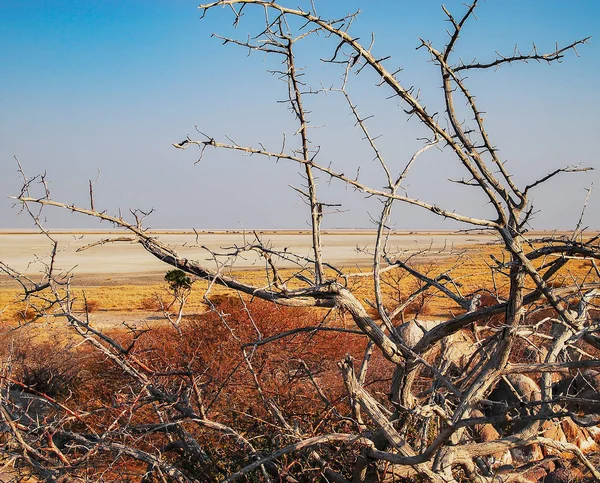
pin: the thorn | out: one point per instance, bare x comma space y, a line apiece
181, 145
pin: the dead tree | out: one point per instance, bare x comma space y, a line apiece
433, 433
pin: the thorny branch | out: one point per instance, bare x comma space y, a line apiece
460, 395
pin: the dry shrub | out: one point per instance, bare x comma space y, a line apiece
526, 352
420, 306
487, 300
49, 367
150, 304
26, 315
559, 282
210, 346
210, 350
92, 306
537, 315
220, 298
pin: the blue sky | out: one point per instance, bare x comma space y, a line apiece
109, 85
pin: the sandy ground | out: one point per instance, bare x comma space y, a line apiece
126, 262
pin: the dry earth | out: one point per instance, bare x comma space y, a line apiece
126, 263
122, 280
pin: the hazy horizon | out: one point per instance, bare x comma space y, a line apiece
109, 87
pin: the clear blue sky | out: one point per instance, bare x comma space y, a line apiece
109, 85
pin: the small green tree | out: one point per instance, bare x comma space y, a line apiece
179, 282
180, 287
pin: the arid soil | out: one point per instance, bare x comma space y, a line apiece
121, 282
126, 263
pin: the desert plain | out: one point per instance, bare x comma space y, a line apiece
121, 281
123, 262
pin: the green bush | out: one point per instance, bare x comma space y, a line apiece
178, 280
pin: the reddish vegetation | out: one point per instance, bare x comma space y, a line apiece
92, 306
211, 347
150, 303
27, 315
209, 351
297, 372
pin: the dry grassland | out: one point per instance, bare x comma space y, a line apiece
469, 268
